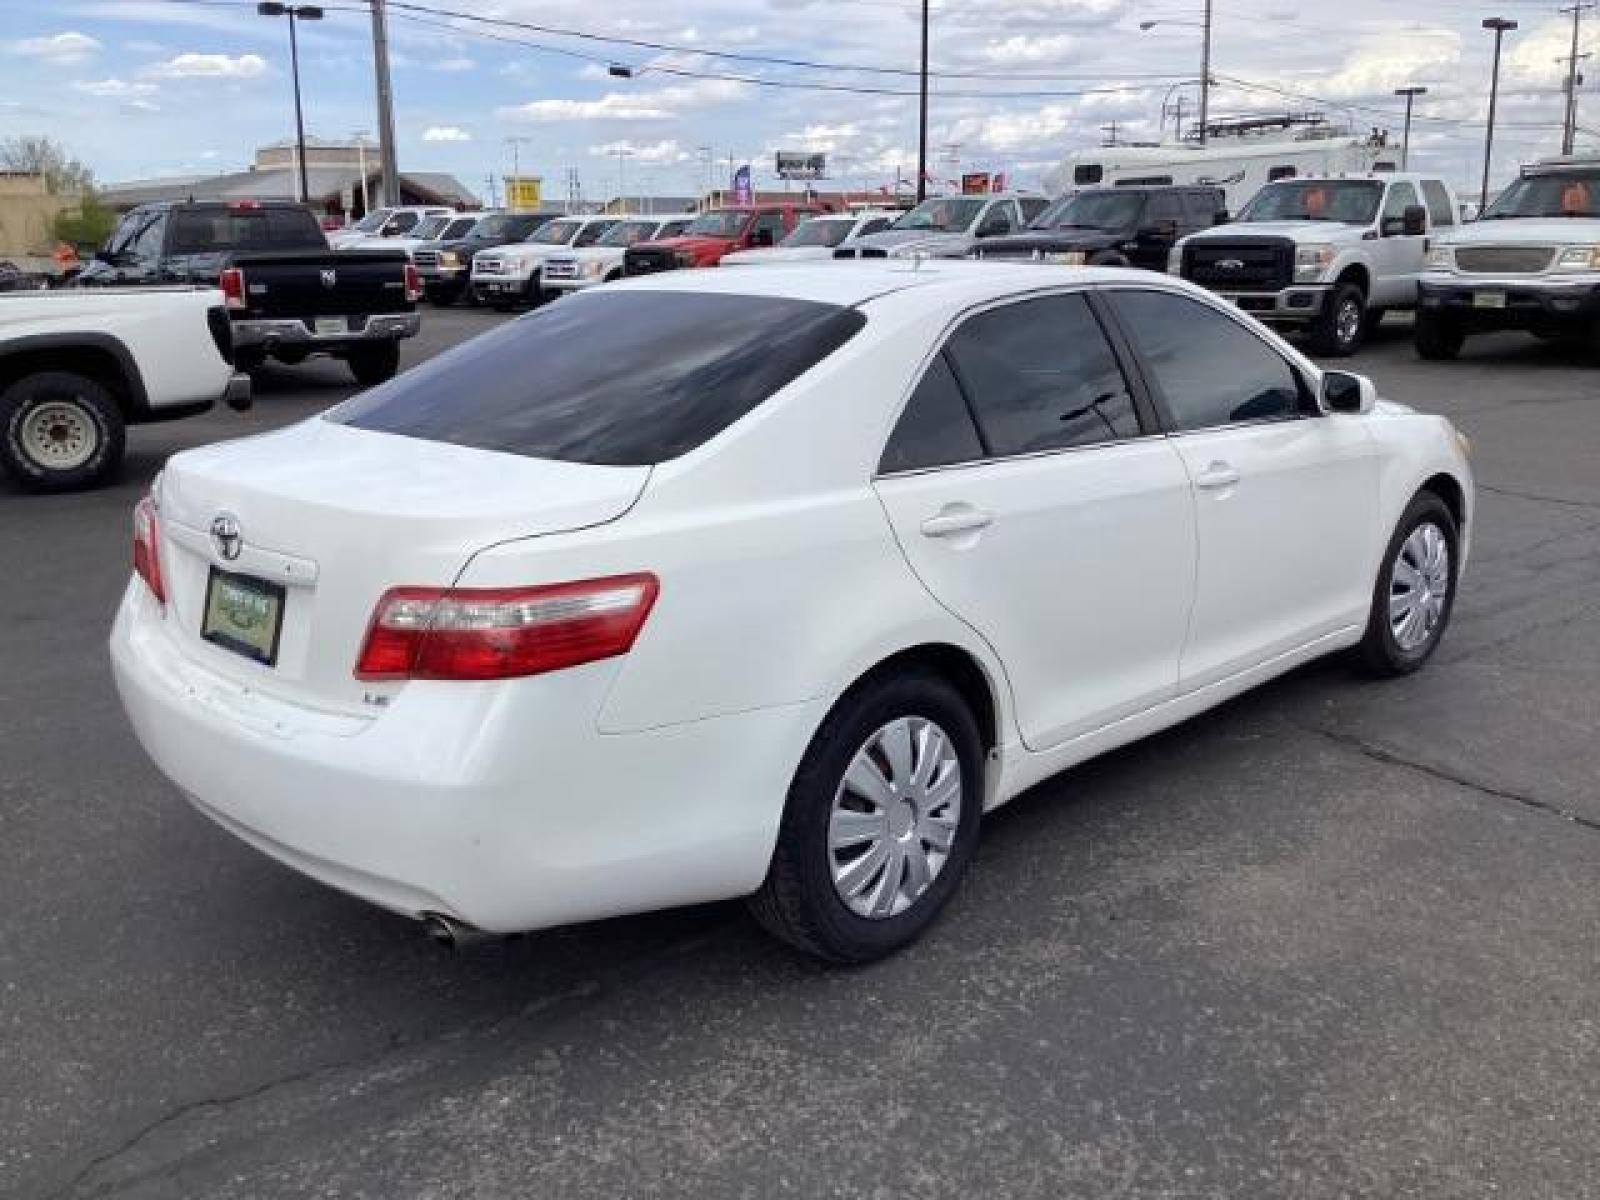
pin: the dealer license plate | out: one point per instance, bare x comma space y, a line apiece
243, 614
331, 326
1488, 299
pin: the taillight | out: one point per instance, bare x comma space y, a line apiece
232, 283
413, 284
501, 633
147, 547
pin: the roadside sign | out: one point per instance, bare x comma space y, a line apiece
793, 165
524, 191
975, 183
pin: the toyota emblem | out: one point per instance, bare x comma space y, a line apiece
329, 278
226, 537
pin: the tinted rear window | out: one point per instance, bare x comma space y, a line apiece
610, 378
211, 230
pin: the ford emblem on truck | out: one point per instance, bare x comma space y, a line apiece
329, 278
1231, 264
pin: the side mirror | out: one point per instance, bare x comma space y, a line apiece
1415, 220
1220, 217
1344, 392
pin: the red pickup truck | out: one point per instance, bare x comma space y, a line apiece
718, 232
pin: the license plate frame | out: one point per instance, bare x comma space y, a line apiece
226, 627
1488, 299
330, 326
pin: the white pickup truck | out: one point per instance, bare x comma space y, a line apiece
78, 367
1531, 262
1328, 256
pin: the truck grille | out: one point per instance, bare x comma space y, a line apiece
1505, 260
426, 258
644, 260
488, 266
1245, 265
561, 268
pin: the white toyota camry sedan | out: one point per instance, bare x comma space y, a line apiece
764, 583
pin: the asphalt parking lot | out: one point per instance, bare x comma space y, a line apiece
1335, 939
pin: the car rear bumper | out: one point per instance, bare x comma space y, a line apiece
378, 327
498, 804
1509, 303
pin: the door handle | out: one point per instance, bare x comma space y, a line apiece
955, 521
1218, 475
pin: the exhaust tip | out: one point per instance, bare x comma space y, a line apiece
452, 934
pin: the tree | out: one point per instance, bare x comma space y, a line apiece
47, 157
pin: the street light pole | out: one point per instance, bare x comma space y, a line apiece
922, 118
1410, 93
295, 12
1500, 26
1205, 75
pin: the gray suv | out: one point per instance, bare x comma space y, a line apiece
948, 226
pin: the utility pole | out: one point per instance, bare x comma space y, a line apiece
1176, 109
1410, 93
1500, 27
922, 114
1205, 74
1569, 127
1111, 132
389, 192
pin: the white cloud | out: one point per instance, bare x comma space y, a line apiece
209, 66
117, 88
63, 49
1022, 49
445, 133
658, 105
458, 63
667, 151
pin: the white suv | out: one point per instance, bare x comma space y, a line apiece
1531, 262
602, 261
387, 223
511, 275
1327, 255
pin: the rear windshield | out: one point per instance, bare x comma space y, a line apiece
609, 378
212, 230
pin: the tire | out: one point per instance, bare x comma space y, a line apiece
61, 432
374, 364
1341, 326
1422, 556
1437, 338
799, 902
440, 297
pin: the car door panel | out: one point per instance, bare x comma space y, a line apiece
1285, 500
1070, 545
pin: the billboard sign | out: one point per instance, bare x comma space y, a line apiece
524, 191
975, 183
793, 165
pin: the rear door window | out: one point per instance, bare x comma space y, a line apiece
1201, 208
612, 378
1041, 376
936, 428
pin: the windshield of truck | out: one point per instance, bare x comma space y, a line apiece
1347, 201
820, 231
1098, 210
505, 227
626, 233
717, 224
1559, 194
943, 214
557, 233
430, 228
373, 221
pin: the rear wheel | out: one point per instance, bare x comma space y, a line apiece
374, 364
1437, 338
1341, 326
62, 431
881, 819
1415, 591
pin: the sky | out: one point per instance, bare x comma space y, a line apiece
151, 88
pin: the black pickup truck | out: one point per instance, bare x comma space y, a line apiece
288, 294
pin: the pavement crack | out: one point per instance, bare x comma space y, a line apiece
1394, 758
1537, 498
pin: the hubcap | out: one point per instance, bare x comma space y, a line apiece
1348, 324
1419, 585
58, 435
894, 817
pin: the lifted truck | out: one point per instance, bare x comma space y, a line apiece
78, 367
289, 295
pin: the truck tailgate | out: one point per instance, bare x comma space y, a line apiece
323, 283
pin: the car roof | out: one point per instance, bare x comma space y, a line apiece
856, 282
